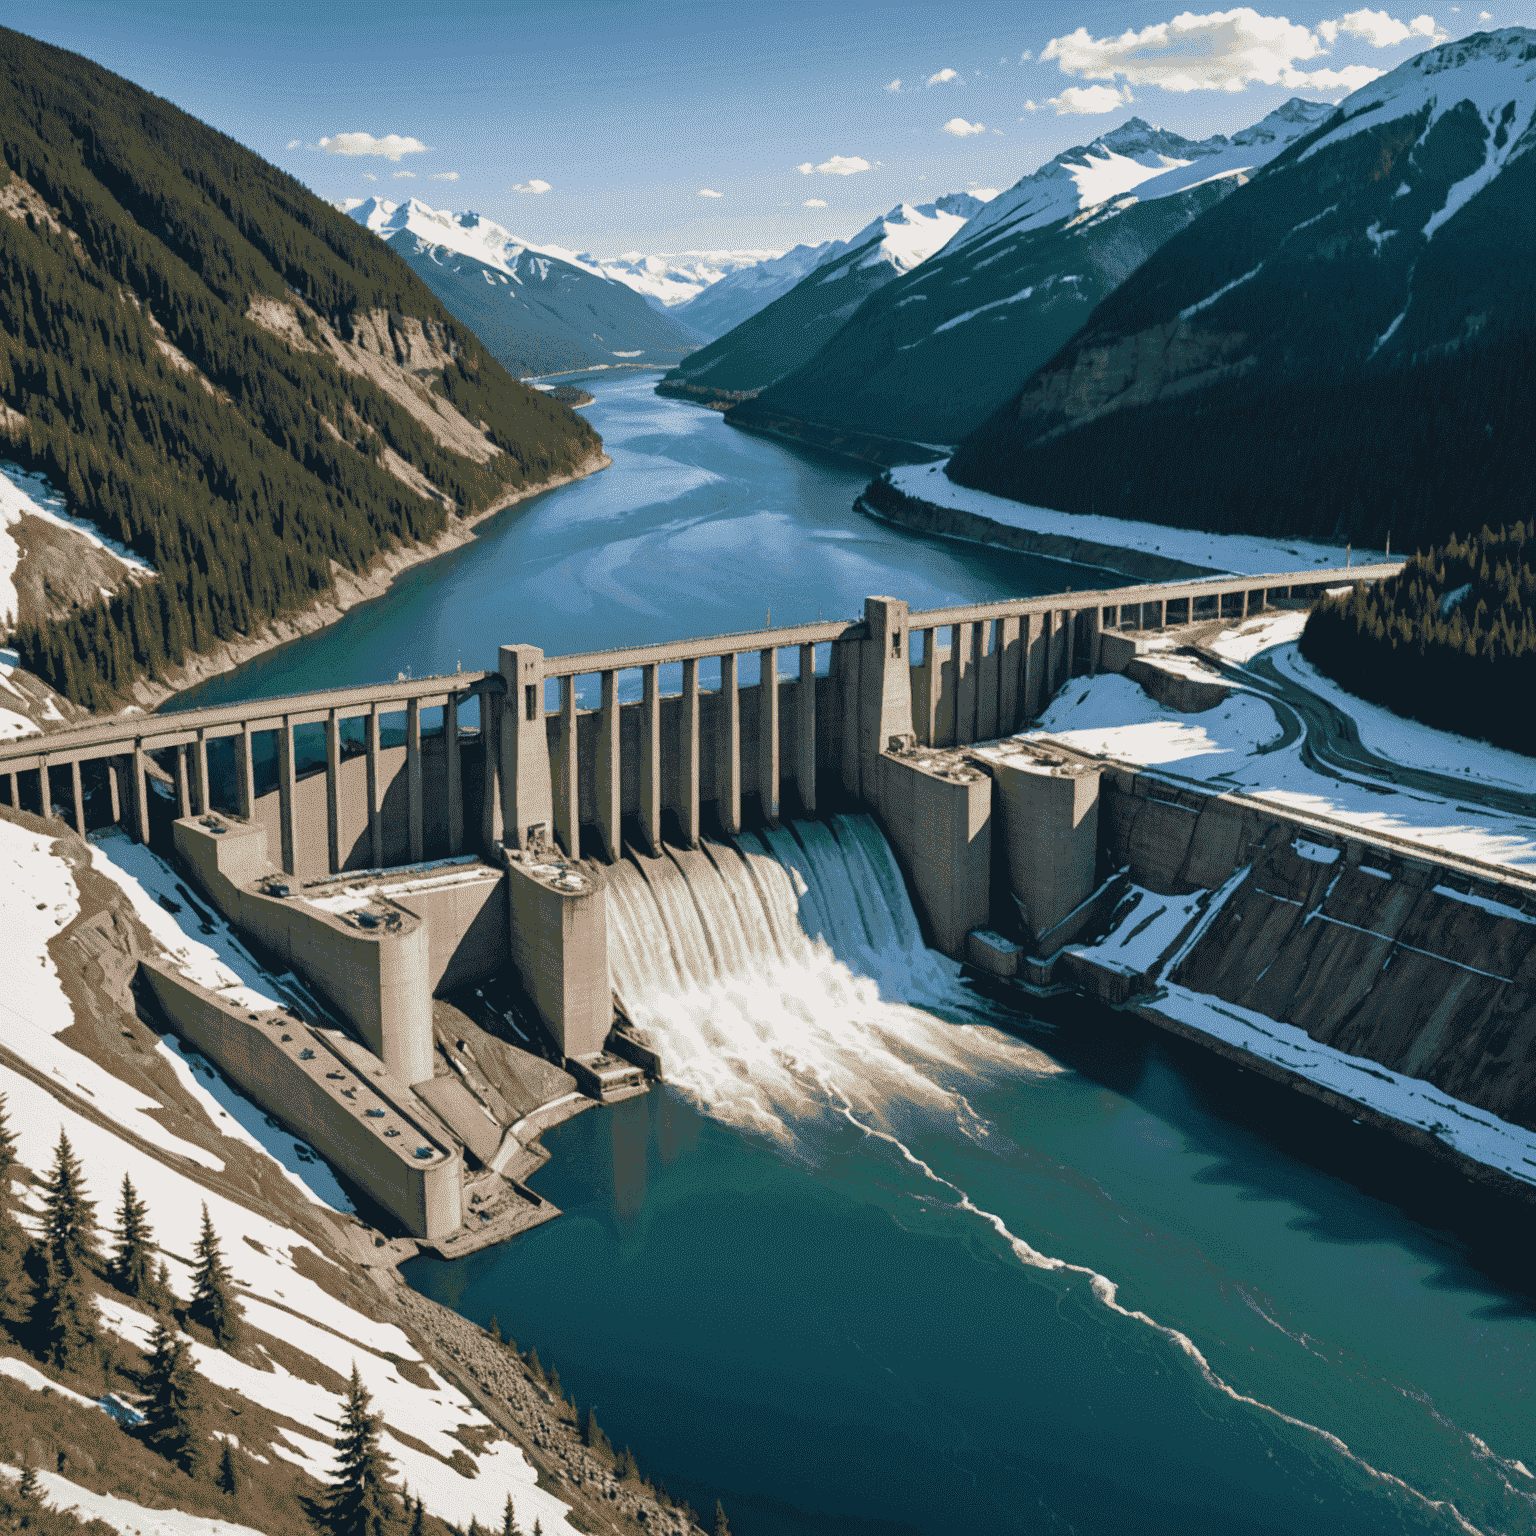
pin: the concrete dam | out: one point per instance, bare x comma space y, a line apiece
683, 862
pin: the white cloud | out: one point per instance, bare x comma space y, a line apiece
1221, 51
407, 175
895, 84
943, 77
1381, 30
391, 147
535, 186
838, 165
369, 176
962, 129
706, 192
813, 202
443, 176
1030, 106
1485, 15
347, 204
1087, 99
294, 143
1026, 56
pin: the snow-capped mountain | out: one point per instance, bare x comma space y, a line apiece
741, 294
1342, 347
674, 280
540, 309
778, 338
929, 355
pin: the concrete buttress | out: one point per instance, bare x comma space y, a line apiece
527, 798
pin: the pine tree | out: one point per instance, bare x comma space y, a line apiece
63, 1318
474, 1527
173, 1401
227, 1478
162, 1297
531, 1360
495, 1329
30, 1488
213, 1304
419, 1519
722, 1525
13, 1274
132, 1244
538, 1530
7, 1150
69, 1219
359, 1502
509, 1520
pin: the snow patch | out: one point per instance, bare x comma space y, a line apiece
122, 1514
1205, 303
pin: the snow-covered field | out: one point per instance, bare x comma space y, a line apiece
39, 897
122, 1514
22, 492
1216, 552
1224, 748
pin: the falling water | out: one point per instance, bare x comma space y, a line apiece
787, 977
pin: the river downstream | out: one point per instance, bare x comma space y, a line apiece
864, 1268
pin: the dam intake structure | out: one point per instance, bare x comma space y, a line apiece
817, 843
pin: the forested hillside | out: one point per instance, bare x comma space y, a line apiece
1450, 641
223, 372
1342, 349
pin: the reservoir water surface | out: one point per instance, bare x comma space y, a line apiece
886, 1255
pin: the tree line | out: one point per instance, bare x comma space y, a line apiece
243, 490
1450, 640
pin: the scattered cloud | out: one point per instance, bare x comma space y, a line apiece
1381, 30
895, 84
369, 176
443, 176
708, 192
1026, 56
1485, 15
943, 77
962, 129
1088, 99
391, 147
535, 186
1030, 106
813, 202
347, 204
294, 143
838, 165
1226, 51
407, 175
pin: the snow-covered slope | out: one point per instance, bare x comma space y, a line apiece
779, 337
539, 309
674, 280
739, 295
931, 353
1368, 299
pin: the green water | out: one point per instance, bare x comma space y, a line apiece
830, 1339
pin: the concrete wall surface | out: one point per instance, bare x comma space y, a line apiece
559, 943
938, 822
360, 1121
1377, 952
466, 923
1050, 822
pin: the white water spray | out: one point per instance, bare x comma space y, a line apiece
764, 977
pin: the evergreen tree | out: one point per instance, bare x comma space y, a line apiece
227, 1477
722, 1525
418, 1518
63, 1318
213, 1303
509, 1520
495, 1329
7, 1150
162, 1296
531, 1360
628, 1466
538, 1530
30, 1488
359, 1502
132, 1245
13, 1273
69, 1219
474, 1527
173, 1401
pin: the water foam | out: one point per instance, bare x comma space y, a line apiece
765, 975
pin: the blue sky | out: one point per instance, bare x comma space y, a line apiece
629, 113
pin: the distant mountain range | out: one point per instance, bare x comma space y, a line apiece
933, 351
779, 337
1343, 347
539, 310
670, 282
